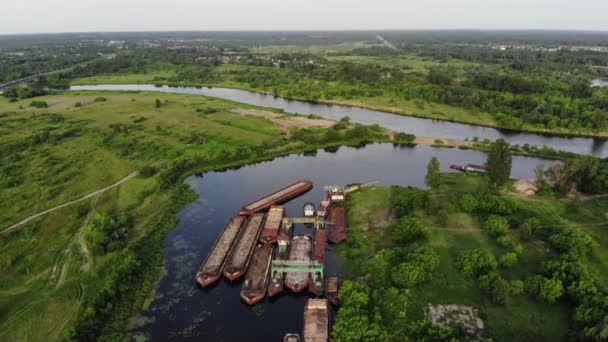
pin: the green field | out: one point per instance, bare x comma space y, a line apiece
523, 318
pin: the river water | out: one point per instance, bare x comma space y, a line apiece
421, 127
598, 82
181, 310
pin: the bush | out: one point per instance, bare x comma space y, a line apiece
417, 268
546, 289
498, 205
408, 199
100, 99
517, 287
496, 225
404, 138
107, 232
571, 240
469, 203
408, 229
78, 104
505, 241
147, 171
39, 104
508, 260
527, 229
475, 262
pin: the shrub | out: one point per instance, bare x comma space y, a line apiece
505, 241
100, 99
78, 104
407, 200
475, 262
418, 267
39, 104
508, 260
408, 229
469, 203
571, 240
404, 138
147, 171
496, 225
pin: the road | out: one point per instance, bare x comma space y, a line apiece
94, 193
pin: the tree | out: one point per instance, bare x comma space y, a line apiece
499, 163
469, 203
418, 267
527, 229
551, 290
157, 103
540, 179
433, 177
508, 260
476, 262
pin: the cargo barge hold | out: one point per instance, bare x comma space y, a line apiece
273, 224
316, 278
287, 193
316, 321
283, 243
256, 279
242, 250
337, 225
299, 252
211, 269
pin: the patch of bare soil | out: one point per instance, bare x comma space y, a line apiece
285, 122
447, 142
447, 315
526, 186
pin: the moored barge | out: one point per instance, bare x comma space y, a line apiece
299, 252
316, 321
282, 253
273, 224
331, 290
211, 269
280, 196
337, 225
470, 168
241, 253
256, 279
316, 278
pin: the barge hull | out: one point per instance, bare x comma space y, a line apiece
287, 193
242, 250
299, 252
337, 226
211, 269
272, 224
316, 321
256, 280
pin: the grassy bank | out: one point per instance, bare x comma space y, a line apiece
453, 228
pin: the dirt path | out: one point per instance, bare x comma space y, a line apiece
285, 122
94, 193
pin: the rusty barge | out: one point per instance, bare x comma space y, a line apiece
242, 250
211, 269
283, 243
274, 218
337, 225
299, 252
287, 193
316, 321
331, 290
256, 279
316, 278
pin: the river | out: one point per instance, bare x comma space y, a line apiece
181, 310
598, 82
421, 127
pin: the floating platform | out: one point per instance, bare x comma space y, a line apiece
211, 269
243, 248
316, 320
299, 251
331, 290
337, 230
316, 278
256, 279
273, 224
287, 193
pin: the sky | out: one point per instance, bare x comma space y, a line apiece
38, 16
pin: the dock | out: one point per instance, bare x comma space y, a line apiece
272, 224
337, 230
316, 321
278, 197
211, 269
242, 250
256, 279
299, 252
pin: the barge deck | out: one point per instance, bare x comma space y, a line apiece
299, 252
242, 250
316, 321
337, 225
273, 224
256, 279
316, 278
211, 269
280, 196
331, 290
